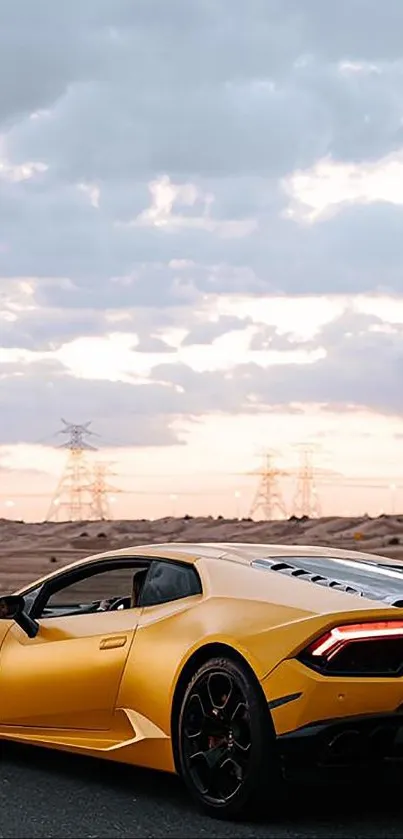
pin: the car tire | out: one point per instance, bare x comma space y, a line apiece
226, 744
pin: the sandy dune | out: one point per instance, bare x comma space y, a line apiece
28, 551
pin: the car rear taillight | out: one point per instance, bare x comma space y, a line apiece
365, 649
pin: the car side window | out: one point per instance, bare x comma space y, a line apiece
168, 581
30, 598
94, 590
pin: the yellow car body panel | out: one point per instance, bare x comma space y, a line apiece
319, 698
47, 676
104, 684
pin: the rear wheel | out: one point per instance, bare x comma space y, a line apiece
226, 745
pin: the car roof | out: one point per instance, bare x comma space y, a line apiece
242, 552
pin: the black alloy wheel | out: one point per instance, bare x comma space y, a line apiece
226, 744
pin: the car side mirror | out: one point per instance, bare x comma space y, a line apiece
12, 607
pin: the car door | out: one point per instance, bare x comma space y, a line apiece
68, 676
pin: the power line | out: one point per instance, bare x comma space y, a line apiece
149, 493
83, 492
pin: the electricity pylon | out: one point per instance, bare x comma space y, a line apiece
306, 501
73, 494
101, 491
268, 497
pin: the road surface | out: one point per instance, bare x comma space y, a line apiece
46, 794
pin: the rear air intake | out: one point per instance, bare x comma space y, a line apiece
361, 649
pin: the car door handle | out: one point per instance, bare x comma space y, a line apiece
112, 642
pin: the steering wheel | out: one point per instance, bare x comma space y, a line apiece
118, 601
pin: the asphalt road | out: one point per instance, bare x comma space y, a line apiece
45, 794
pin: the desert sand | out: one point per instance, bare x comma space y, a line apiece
28, 551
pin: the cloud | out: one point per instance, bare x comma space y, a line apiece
284, 104
161, 213
206, 332
124, 414
158, 161
27, 325
360, 365
33, 331
109, 182
329, 186
363, 367
268, 338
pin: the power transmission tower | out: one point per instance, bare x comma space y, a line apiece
73, 494
268, 496
306, 501
100, 491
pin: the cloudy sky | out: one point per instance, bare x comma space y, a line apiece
201, 206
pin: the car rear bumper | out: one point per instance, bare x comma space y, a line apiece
343, 749
334, 728
299, 697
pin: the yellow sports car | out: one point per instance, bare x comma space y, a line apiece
234, 665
